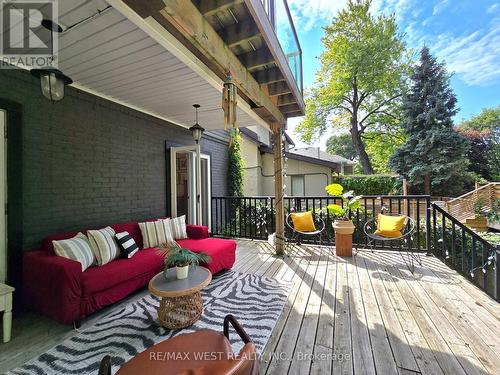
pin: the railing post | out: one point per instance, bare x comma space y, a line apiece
428, 226
278, 188
497, 273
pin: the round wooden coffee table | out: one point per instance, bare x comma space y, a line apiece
181, 304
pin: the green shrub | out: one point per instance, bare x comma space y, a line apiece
370, 184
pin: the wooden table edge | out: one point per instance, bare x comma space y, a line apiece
184, 292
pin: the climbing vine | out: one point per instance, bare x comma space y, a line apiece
235, 170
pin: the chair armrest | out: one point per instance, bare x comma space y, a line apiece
53, 285
239, 329
197, 232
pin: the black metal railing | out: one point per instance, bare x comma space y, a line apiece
254, 217
465, 251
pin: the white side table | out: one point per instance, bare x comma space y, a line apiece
6, 307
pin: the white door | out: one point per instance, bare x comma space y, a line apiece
186, 192
3, 197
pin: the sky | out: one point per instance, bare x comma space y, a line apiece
465, 34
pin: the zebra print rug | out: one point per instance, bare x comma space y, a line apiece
256, 302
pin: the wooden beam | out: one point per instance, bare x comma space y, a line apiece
279, 88
239, 33
183, 16
294, 114
256, 59
145, 8
210, 7
277, 130
290, 108
258, 12
266, 76
286, 99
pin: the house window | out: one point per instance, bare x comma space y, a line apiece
298, 186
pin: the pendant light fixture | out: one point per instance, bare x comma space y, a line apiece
196, 129
52, 80
229, 101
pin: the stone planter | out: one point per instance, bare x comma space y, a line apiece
344, 230
182, 272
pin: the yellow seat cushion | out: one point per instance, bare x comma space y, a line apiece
390, 226
303, 222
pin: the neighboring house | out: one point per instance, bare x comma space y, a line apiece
117, 147
308, 170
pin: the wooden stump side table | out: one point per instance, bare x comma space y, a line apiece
6, 306
181, 304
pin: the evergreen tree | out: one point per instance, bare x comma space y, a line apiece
432, 158
235, 172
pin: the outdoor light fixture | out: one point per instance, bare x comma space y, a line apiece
196, 129
229, 101
52, 80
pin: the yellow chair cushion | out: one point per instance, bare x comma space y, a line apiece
390, 226
303, 222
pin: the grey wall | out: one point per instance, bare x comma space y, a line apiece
89, 162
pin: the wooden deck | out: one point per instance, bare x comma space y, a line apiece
361, 315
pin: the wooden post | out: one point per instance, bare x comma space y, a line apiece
405, 193
278, 188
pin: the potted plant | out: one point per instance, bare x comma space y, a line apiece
343, 225
182, 259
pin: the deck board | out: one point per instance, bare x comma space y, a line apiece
361, 315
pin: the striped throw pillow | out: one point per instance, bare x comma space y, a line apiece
127, 243
179, 227
149, 237
164, 232
104, 245
76, 248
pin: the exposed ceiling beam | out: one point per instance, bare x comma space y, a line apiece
268, 75
198, 34
239, 32
286, 99
294, 114
210, 7
289, 108
278, 88
256, 59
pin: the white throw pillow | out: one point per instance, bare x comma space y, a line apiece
178, 225
104, 245
164, 232
149, 236
76, 248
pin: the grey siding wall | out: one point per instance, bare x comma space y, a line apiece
89, 162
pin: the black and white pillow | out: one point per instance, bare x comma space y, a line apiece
127, 243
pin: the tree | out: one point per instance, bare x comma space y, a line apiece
483, 133
361, 77
380, 147
341, 145
235, 170
432, 158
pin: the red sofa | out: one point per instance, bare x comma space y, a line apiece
57, 287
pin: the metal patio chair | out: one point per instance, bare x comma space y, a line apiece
406, 239
298, 235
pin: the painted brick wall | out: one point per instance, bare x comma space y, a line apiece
88, 162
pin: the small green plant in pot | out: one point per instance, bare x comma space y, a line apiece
182, 259
343, 225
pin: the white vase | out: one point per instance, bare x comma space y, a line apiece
182, 272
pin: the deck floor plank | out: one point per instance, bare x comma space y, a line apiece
370, 308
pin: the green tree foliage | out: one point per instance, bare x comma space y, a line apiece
432, 158
370, 184
235, 169
361, 77
341, 144
483, 133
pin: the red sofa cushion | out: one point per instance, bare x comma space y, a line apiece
96, 279
222, 252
